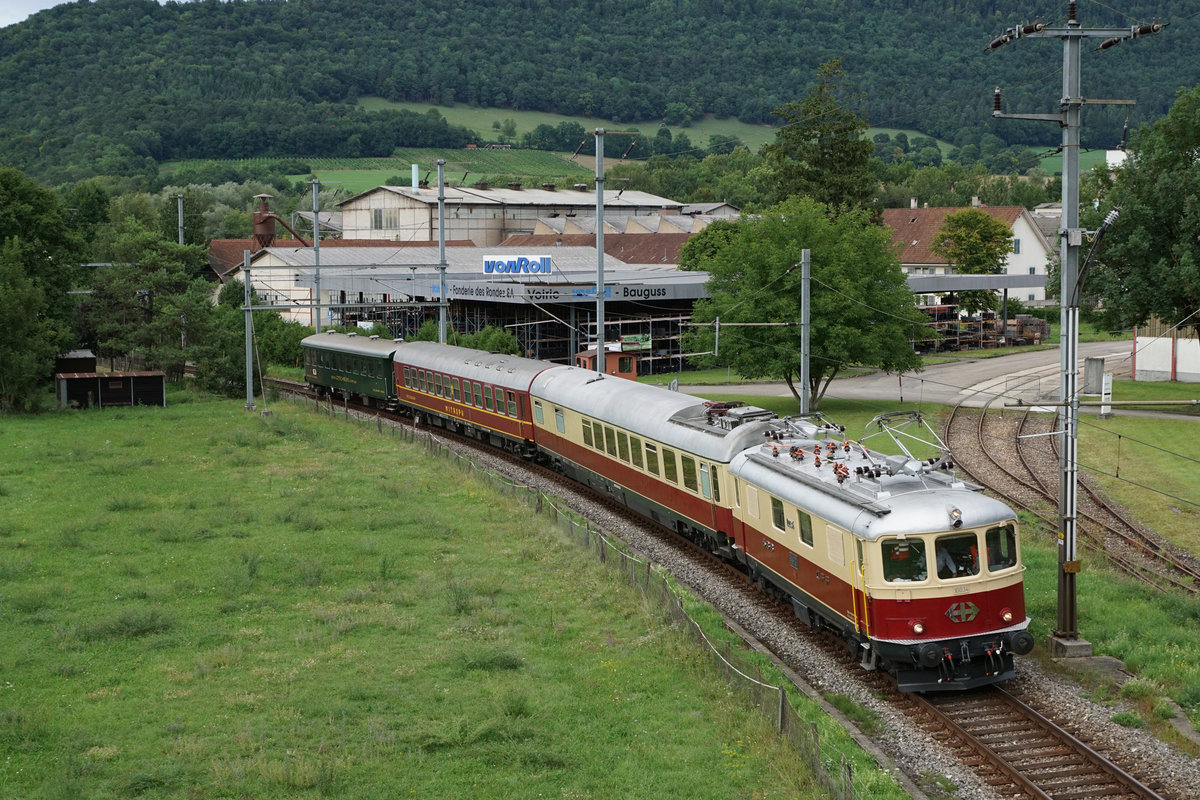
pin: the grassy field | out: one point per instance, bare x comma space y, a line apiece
200, 602
480, 120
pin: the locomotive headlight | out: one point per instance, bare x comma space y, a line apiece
955, 515
1006, 615
916, 627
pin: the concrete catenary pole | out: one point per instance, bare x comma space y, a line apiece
601, 354
1065, 639
316, 188
444, 301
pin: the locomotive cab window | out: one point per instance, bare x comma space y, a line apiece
904, 560
1001, 547
957, 555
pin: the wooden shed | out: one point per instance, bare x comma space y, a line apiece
107, 389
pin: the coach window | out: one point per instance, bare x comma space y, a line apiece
777, 513
437, 385
716, 484
407, 385
559, 422
689, 473
635, 450
514, 410
587, 432
610, 440
706, 480
487, 397
623, 446
904, 560
1001, 547
457, 388
478, 396
421, 380
670, 469
537, 415
652, 458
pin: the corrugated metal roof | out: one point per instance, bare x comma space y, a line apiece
462, 195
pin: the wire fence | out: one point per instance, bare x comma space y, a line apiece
829, 764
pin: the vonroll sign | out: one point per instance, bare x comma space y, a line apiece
523, 265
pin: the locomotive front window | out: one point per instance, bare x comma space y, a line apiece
957, 555
1001, 547
904, 560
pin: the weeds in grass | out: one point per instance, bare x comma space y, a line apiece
1128, 719
493, 661
220, 658
460, 597
517, 703
123, 505
29, 601
386, 563
866, 719
311, 573
11, 568
1164, 710
129, 624
70, 536
251, 561
1139, 689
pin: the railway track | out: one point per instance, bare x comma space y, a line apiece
1016, 758
1020, 753
1006, 452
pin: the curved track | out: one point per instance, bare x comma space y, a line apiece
1010, 453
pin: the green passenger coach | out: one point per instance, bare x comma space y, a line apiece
351, 366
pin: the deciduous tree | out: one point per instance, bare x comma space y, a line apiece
1148, 264
975, 243
862, 311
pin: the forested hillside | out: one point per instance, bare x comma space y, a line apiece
115, 86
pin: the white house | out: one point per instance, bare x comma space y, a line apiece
914, 230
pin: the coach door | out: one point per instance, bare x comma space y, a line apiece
858, 589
